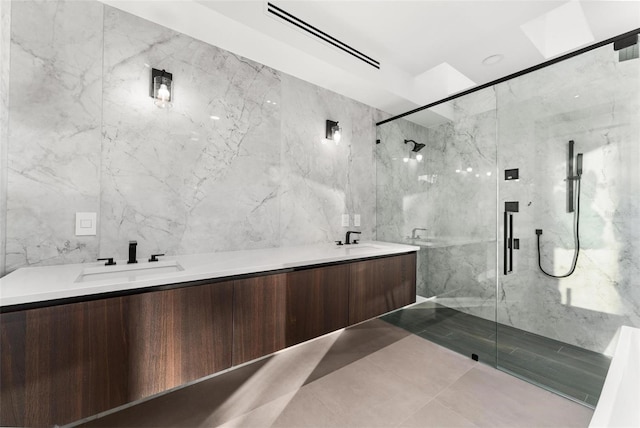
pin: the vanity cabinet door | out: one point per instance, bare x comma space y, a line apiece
259, 322
67, 362
381, 285
317, 302
63, 363
177, 336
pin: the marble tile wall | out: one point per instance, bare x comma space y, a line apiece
178, 181
456, 206
5, 49
319, 182
597, 107
53, 153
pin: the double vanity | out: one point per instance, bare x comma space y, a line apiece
81, 339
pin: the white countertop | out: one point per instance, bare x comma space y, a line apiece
38, 284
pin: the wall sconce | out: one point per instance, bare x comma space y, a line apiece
414, 152
161, 88
333, 131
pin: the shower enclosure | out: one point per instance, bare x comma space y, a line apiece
497, 197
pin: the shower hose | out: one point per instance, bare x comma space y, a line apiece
576, 228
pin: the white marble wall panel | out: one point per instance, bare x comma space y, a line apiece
178, 181
235, 164
321, 181
5, 59
456, 206
402, 187
54, 130
597, 107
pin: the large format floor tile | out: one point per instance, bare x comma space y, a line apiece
435, 415
490, 398
371, 375
297, 409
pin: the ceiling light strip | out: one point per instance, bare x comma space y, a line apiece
282, 14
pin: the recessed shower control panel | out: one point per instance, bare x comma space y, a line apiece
512, 174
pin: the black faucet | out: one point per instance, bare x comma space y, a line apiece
132, 252
413, 232
347, 239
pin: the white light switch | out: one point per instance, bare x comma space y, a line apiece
86, 224
345, 220
356, 219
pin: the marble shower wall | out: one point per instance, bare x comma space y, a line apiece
178, 181
457, 206
594, 100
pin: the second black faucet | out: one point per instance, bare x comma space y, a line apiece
347, 239
132, 252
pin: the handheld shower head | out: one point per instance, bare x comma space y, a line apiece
416, 146
579, 164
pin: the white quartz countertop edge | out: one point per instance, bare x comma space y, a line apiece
39, 284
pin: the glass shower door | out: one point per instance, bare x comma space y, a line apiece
572, 132
444, 201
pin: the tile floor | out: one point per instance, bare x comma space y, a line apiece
370, 375
574, 371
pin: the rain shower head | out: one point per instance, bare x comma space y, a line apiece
417, 146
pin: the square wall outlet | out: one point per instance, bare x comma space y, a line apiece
86, 224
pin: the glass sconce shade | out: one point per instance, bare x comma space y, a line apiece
333, 131
162, 88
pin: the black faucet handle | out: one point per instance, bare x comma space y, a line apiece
355, 241
154, 257
347, 238
339, 243
109, 262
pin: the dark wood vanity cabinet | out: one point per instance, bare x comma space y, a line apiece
62, 363
66, 362
381, 285
177, 336
259, 321
272, 312
317, 302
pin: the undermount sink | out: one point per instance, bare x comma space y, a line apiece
357, 247
128, 272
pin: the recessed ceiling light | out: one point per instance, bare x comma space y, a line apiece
493, 59
214, 117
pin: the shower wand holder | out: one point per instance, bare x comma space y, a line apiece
538, 232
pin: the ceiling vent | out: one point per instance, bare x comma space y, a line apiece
319, 34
